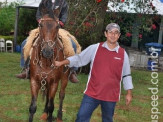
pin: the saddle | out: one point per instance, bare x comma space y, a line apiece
65, 39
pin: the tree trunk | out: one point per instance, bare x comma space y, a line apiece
86, 21
135, 34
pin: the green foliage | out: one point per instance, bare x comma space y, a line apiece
85, 20
27, 22
136, 26
127, 23
7, 37
7, 19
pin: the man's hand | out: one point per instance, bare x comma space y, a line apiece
128, 97
60, 63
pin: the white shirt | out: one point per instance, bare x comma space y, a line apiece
88, 55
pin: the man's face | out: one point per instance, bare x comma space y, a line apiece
112, 36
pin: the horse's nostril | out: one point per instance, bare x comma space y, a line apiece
47, 53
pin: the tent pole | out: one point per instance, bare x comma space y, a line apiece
16, 28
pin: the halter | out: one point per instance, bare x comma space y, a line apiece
38, 55
40, 26
50, 43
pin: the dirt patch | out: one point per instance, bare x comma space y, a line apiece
15, 93
129, 108
7, 119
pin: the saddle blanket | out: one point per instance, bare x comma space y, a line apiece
64, 36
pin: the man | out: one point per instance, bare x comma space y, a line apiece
109, 65
54, 4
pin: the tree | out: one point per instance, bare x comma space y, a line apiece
86, 20
27, 22
7, 18
140, 21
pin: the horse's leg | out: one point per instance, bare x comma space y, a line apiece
50, 106
34, 93
44, 116
61, 97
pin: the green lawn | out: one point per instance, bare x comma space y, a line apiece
15, 96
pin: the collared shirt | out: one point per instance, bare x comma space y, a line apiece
88, 55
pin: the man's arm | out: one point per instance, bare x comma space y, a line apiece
60, 63
128, 97
81, 59
127, 79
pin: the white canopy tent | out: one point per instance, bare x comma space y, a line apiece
32, 5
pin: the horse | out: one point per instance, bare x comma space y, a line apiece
43, 73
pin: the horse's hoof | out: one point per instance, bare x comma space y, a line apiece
59, 120
44, 116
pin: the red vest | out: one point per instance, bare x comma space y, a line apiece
105, 77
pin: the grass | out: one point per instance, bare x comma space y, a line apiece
15, 96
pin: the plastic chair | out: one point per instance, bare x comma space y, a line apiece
9, 46
2, 45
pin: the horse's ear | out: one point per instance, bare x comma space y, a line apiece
56, 11
45, 7
42, 7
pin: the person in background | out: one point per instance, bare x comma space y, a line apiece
55, 4
109, 65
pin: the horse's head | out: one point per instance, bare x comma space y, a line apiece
48, 33
48, 26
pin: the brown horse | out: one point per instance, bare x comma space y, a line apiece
43, 73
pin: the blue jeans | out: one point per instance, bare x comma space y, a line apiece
22, 55
89, 104
74, 46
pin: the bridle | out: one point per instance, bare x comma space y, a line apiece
38, 55
51, 43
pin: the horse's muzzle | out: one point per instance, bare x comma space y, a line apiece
47, 52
